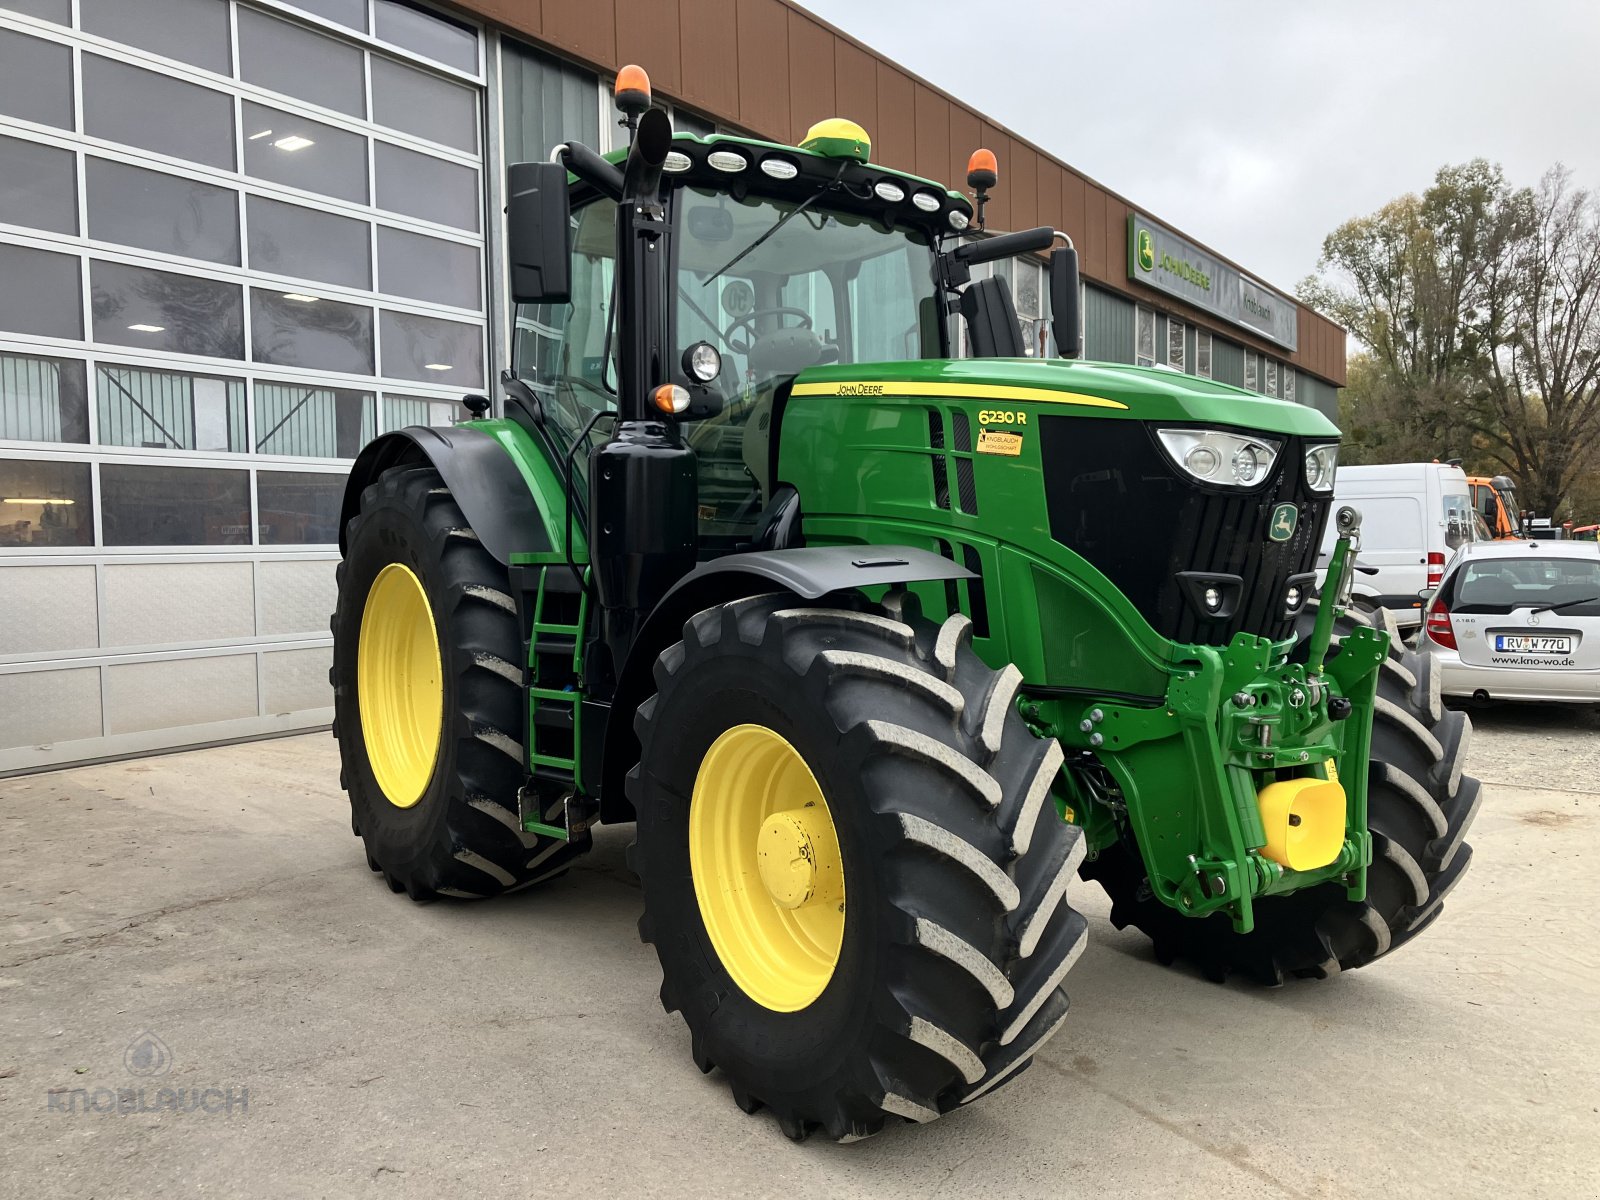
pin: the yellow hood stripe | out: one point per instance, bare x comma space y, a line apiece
960, 391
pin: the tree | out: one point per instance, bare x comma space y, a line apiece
1479, 307
1539, 335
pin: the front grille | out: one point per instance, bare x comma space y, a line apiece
1115, 498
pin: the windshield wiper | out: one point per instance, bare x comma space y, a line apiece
1566, 604
780, 223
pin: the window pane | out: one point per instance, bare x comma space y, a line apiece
45, 504
429, 349
427, 268
311, 420
174, 506
169, 410
162, 212
346, 12
161, 310
400, 411
299, 508
321, 334
291, 59
195, 31
420, 186
41, 293
688, 122
1026, 294
59, 11
427, 34
304, 153
35, 79
1144, 349
42, 399
289, 240
141, 108
412, 100
38, 186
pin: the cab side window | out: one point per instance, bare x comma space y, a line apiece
562, 351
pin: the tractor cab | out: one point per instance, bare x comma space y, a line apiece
777, 259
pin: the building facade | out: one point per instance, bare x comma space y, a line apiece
240, 238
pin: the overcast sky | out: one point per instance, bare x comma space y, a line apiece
1258, 127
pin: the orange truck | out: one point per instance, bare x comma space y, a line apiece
1495, 498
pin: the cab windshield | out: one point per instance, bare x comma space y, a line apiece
825, 287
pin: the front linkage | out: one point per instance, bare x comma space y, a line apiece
1250, 780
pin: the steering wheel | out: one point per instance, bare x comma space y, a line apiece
749, 320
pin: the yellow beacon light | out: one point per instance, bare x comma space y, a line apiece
838, 138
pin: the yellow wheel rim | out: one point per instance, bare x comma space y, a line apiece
399, 685
767, 871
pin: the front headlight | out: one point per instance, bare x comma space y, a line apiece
1219, 457
1320, 462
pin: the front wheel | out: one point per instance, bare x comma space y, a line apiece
854, 875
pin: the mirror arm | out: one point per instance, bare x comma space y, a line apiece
1006, 245
589, 167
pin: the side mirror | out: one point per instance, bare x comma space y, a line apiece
1064, 302
538, 233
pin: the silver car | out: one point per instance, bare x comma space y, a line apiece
1514, 620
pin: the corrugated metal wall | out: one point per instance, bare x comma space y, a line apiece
1108, 326
1322, 396
1227, 362
773, 69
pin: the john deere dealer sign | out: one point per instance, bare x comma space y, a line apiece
1161, 259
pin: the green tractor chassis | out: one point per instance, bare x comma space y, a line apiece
879, 647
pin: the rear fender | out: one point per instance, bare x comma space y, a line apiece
496, 474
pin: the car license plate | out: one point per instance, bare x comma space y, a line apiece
1523, 643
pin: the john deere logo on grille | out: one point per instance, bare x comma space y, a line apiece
1284, 520
1147, 251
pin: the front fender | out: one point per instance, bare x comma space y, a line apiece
809, 573
484, 479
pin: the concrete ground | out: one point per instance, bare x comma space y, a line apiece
373, 1047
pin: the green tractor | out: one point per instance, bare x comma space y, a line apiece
877, 646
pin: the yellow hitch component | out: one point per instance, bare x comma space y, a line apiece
399, 685
767, 870
1304, 821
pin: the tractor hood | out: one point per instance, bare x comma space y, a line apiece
1112, 389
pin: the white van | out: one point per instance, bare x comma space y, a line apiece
1413, 517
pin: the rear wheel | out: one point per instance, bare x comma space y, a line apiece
1419, 805
854, 876
428, 699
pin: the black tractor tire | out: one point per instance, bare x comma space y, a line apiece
1419, 805
957, 934
463, 838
